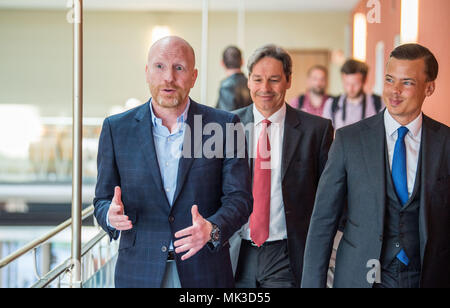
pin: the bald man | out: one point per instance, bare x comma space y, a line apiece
173, 206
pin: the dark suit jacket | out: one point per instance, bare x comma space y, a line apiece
356, 171
219, 186
307, 139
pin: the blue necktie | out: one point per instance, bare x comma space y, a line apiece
400, 178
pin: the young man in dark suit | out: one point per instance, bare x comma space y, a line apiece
393, 171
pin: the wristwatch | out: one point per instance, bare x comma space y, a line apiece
215, 234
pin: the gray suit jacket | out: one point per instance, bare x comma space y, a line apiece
355, 174
307, 140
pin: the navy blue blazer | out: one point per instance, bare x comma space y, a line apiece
219, 186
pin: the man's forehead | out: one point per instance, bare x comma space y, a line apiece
352, 76
412, 68
172, 47
317, 71
170, 54
268, 66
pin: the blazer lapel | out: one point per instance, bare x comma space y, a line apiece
431, 140
192, 146
292, 136
144, 131
249, 119
373, 147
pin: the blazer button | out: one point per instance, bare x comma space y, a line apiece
164, 249
397, 245
171, 219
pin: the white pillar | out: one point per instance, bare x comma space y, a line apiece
77, 139
204, 59
241, 25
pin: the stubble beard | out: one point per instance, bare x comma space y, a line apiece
318, 91
166, 103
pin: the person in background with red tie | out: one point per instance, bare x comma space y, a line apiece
288, 151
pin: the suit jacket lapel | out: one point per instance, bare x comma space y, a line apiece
192, 146
431, 140
249, 119
373, 148
292, 136
144, 132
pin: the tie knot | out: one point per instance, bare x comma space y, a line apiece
267, 122
402, 131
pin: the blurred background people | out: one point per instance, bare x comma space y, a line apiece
233, 93
315, 97
354, 104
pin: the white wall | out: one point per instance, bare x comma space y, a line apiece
36, 52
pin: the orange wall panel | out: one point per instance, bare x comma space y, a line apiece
434, 33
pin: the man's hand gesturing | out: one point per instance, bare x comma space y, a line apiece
194, 237
116, 216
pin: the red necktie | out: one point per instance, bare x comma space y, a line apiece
259, 220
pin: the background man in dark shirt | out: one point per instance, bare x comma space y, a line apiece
234, 93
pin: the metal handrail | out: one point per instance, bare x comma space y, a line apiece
67, 264
41, 240
53, 274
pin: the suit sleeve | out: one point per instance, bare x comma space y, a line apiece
237, 200
330, 200
107, 179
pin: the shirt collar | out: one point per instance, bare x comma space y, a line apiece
391, 125
181, 119
277, 117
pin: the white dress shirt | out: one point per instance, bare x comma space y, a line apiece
412, 142
277, 227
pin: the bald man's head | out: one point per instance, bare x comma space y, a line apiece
170, 42
171, 72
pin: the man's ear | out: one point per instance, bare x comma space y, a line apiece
430, 87
289, 83
146, 73
194, 77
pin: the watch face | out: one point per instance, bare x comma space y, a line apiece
215, 233
216, 236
